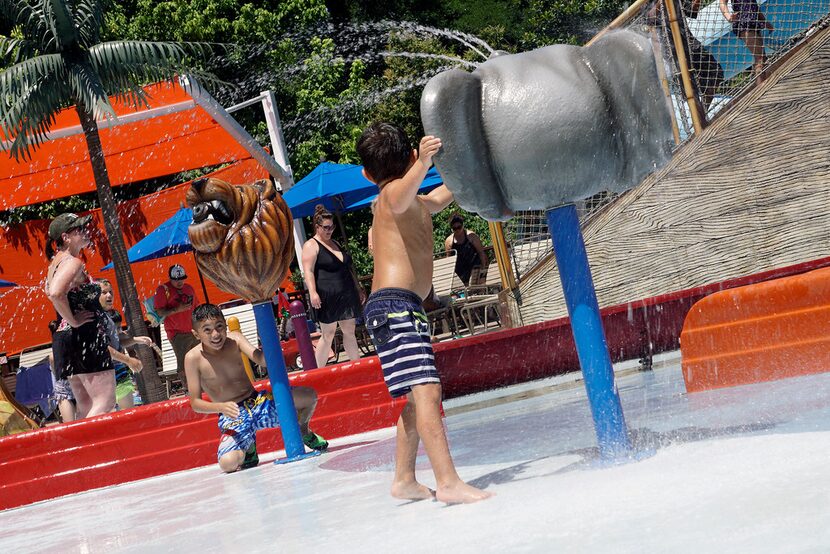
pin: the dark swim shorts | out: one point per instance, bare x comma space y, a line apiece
400, 332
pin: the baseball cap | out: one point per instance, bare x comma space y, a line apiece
177, 272
65, 223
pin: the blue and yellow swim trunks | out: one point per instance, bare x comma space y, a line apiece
256, 412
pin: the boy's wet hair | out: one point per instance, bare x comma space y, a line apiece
203, 312
385, 151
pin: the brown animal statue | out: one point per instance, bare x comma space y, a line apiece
241, 235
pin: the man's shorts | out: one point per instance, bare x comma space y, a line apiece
256, 412
400, 332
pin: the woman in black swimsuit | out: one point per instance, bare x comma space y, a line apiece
80, 343
334, 295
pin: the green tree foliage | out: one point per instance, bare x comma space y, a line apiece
328, 86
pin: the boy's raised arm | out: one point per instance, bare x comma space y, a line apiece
438, 199
401, 192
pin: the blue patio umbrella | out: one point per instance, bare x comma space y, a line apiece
167, 239
338, 187
6, 284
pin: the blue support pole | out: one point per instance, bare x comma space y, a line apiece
277, 373
586, 324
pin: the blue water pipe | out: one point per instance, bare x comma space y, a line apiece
586, 324
278, 374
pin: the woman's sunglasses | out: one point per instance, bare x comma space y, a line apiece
327, 227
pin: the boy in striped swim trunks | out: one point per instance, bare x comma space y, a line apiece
215, 366
403, 245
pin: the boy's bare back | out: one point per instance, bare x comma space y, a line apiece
221, 375
403, 247
402, 226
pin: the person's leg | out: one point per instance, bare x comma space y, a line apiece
101, 388
305, 400
82, 399
67, 410
349, 340
321, 352
405, 485
231, 461
238, 437
181, 345
126, 402
754, 41
449, 486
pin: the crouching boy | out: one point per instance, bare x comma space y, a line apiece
215, 366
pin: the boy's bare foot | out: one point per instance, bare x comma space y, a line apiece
461, 493
412, 490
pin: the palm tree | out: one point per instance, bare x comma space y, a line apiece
57, 61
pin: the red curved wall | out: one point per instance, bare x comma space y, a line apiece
166, 437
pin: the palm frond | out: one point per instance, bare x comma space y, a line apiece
88, 88
111, 54
14, 12
29, 18
22, 76
89, 17
28, 120
61, 23
125, 65
14, 50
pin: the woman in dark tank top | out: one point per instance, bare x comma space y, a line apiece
469, 252
80, 342
332, 289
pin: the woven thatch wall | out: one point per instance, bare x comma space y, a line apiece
750, 194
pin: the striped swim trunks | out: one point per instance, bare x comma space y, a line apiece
400, 332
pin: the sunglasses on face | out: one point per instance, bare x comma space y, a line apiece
327, 227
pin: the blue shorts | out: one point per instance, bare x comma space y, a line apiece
256, 412
400, 332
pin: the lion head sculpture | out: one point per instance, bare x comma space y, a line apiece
241, 235
539, 129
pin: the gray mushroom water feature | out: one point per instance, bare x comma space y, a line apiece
541, 130
554, 125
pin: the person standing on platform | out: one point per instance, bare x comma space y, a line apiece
749, 23
125, 365
403, 244
469, 253
332, 287
174, 301
80, 344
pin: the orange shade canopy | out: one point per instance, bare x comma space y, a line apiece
175, 134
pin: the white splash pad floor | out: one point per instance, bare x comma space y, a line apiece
745, 469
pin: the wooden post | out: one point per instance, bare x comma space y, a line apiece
508, 281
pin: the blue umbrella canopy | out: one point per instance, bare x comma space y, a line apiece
165, 240
338, 187
6, 284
